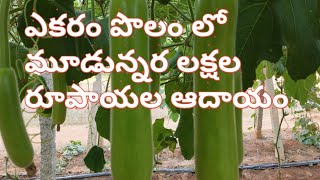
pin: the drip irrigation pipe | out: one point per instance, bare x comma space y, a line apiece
190, 170
284, 165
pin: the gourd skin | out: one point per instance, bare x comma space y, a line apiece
131, 129
12, 127
155, 48
238, 88
59, 110
216, 154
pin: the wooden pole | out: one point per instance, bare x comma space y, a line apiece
275, 119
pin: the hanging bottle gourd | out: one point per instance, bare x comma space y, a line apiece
215, 129
12, 127
131, 129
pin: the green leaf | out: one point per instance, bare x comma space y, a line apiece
172, 143
308, 141
102, 41
176, 39
174, 116
304, 122
299, 23
267, 67
279, 69
162, 137
64, 46
184, 133
103, 119
304, 132
300, 138
95, 159
257, 37
255, 84
299, 90
44, 112
90, 45
292, 103
253, 115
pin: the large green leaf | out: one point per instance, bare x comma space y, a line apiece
299, 22
64, 46
299, 90
102, 41
103, 119
163, 138
184, 133
257, 37
55, 47
95, 159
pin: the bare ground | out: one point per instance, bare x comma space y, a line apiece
257, 151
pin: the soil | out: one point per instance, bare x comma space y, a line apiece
257, 151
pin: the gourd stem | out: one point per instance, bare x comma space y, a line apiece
153, 10
93, 14
4, 43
